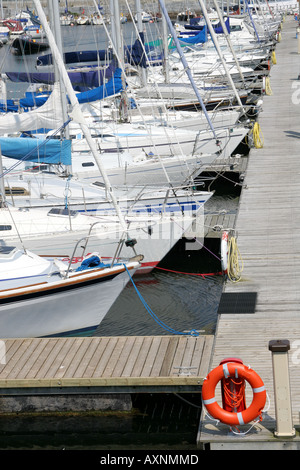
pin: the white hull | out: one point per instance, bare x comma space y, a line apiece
135, 139
156, 227
123, 169
188, 120
49, 191
42, 306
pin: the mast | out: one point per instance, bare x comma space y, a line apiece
55, 25
2, 186
77, 114
165, 50
119, 49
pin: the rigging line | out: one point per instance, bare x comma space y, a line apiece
144, 51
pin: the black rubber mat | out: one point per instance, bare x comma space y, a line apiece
242, 302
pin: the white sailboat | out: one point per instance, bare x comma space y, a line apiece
46, 297
145, 16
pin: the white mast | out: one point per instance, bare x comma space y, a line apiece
76, 114
119, 50
55, 25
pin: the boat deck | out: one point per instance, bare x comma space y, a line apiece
268, 238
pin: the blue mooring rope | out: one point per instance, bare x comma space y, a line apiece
154, 316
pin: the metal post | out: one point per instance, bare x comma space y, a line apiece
2, 185
166, 51
282, 394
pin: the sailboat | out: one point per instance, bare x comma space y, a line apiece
146, 17
48, 297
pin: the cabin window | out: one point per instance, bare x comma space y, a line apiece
62, 212
17, 191
88, 164
6, 250
37, 168
236, 27
5, 227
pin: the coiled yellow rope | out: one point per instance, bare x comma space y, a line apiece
268, 89
273, 57
235, 262
258, 138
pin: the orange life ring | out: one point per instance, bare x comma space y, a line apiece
231, 369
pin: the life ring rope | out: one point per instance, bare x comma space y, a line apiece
234, 370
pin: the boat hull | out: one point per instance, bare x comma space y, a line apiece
63, 311
21, 46
124, 169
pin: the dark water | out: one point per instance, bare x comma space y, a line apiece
182, 301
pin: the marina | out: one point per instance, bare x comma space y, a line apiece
167, 326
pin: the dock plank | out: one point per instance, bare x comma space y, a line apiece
105, 357
135, 352
161, 352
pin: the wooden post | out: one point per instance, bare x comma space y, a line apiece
282, 394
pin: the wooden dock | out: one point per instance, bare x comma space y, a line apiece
104, 364
268, 238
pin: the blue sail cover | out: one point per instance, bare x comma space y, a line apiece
81, 81
77, 57
33, 100
34, 19
8, 106
195, 21
201, 37
114, 86
133, 54
53, 151
219, 30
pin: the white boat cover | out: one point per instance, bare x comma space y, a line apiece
47, 116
